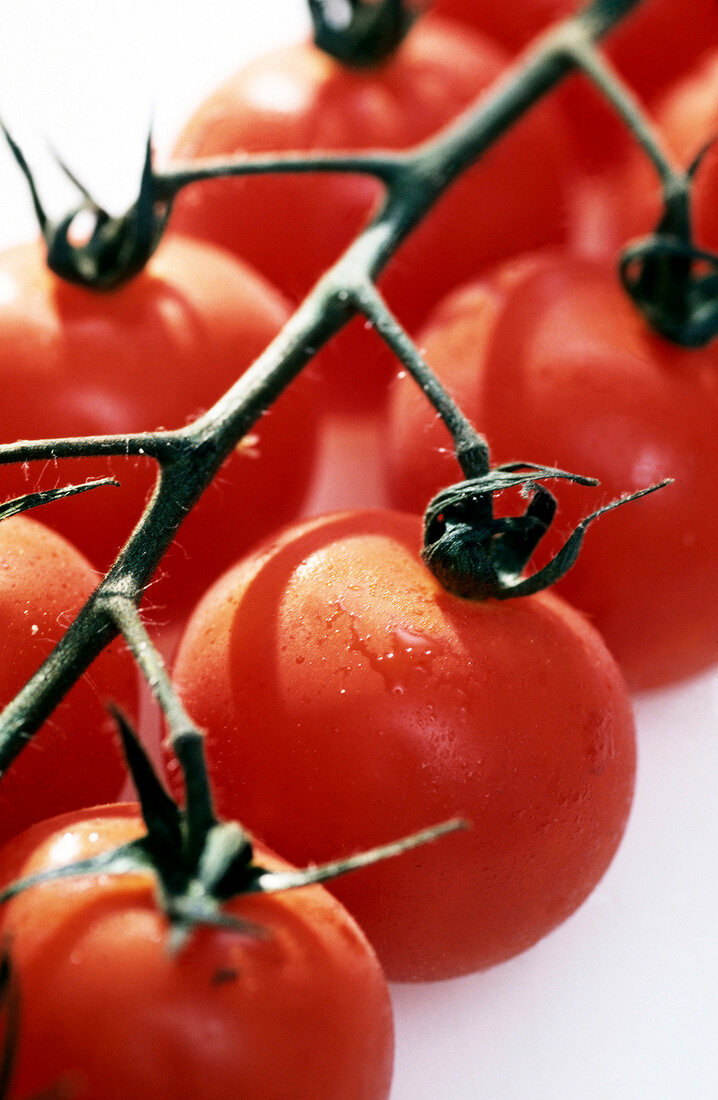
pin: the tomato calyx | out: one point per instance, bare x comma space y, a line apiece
480, 556
28, 501
193, 880
360, 33
672, 281
117, 247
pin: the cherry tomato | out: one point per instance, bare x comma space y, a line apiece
349, 699
552, 362
687, 118
155, 353
293, 227
106, 1010
44, 581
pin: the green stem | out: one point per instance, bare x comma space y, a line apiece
186, 739
162, 446
472, 450
384, 166
629, 109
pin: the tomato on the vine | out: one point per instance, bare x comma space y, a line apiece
74, 758
348, 699
106, 1010
292, 227
153, 353
687, 119
551, 361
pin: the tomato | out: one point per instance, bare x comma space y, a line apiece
349, 699
687, 118
154, 353
44, 582
552, 362
107, 1011
293, 227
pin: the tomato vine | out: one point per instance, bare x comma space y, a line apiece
188, 458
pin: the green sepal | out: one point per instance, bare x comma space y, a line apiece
566, 556
34, 500
675, 286
160, 812
118, 247
672, 282
479, 556
370, 34
134, 857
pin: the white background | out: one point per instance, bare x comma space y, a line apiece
620, 1002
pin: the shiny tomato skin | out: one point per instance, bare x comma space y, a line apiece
152, 354
552, 362
349, 700
293, 227
109, 1012
44, 581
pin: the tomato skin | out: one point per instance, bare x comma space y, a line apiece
74, 756
154, 353
348, 699
552, 362
108, 1010
293, 227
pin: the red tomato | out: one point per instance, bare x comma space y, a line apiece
106, 1011
552, 362
293, 228
687, 118
349, 699
154, 353
74, 757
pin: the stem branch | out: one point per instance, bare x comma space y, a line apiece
629, 109
472, 450
385, 166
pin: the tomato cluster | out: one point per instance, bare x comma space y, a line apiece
300, 99
346, 697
